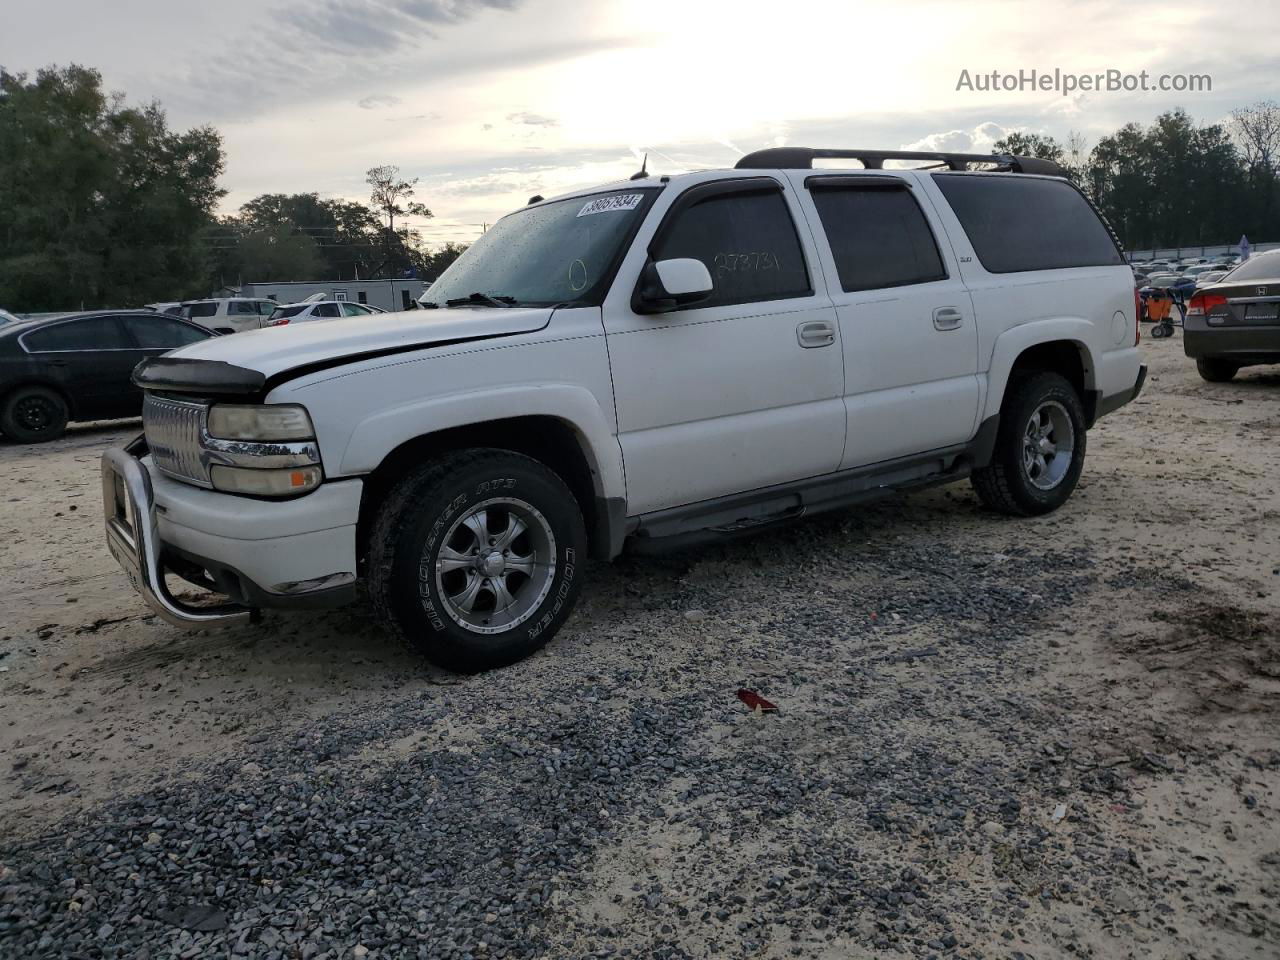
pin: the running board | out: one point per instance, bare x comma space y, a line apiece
728, 517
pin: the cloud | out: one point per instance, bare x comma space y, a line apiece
532, 119
978, 139
373, 26
379, 100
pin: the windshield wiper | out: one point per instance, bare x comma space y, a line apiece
484, 298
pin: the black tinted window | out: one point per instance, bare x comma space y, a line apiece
1024, 223
96, 333
325, 310
748, 243
879, 237
242, 308
1265, 266
202, 310
159, 333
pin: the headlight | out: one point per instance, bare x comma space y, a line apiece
286, 482
264, 423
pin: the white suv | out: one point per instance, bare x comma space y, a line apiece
653, 362
228, 314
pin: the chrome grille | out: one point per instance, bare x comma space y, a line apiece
174, 429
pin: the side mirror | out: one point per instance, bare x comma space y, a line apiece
669, 284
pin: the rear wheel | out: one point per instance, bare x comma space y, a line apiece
1216, 370
1039, 449
33, 415
475, 560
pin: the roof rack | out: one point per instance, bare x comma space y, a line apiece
801, 158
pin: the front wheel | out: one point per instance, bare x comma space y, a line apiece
1039, 450
34, 415
1216, 370
475, 561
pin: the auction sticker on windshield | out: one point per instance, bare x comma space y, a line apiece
617, 201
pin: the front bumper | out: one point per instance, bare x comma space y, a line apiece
1241, 343
258, 553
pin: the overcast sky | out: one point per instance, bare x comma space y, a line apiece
490, 101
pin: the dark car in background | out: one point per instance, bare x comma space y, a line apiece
77, 367
1235, 322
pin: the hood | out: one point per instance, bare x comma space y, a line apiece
248, 363
273, 350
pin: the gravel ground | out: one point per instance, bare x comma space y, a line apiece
995, 738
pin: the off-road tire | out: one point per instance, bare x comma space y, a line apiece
1216, 370
407, 537
1004, 484
16, 416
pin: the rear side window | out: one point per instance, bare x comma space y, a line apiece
242, 308
1258, 267
748, 243
202, 310
159, 333
1018, 223
879, 236
96, 333
325, 310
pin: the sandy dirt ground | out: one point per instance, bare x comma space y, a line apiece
1135, 723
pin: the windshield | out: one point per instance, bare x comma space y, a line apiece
559, 252
1265, 266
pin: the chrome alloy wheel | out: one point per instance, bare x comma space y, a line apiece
1047, 445
495, 565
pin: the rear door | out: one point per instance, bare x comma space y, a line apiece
151, 335
907, 331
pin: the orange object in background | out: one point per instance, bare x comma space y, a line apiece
1159, 308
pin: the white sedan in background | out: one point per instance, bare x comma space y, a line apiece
318, 310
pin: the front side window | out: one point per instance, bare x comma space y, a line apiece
747, 241
354, 310
564, 251
1018, 223
879, 237
159, 333
95, 333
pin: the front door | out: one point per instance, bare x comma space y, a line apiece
739, 391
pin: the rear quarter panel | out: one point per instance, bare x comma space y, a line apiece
1091, 307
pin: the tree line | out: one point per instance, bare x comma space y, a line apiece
102, 204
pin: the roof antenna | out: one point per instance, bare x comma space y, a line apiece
643, 172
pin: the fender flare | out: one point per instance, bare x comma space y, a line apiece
376, 436
1009, 346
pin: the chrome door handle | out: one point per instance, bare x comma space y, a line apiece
816, 333
947, 318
